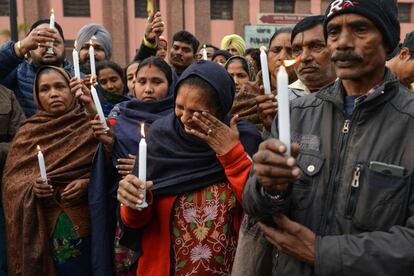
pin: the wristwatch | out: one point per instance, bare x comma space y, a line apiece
277, 196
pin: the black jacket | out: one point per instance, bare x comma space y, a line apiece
363, 219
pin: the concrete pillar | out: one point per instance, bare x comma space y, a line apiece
35, 10
115, 18
202, 21
241, 15
175, 17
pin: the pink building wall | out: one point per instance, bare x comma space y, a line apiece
5, 21
219, 28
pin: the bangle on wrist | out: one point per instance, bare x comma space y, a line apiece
20, 48
149, 43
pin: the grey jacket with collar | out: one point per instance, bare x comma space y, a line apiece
363, 219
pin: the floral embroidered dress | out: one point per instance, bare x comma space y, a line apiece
199, 227
203, 237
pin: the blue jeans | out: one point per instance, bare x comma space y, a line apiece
3, 253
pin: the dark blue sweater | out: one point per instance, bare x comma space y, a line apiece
18, 75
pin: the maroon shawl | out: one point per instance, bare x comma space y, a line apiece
68, 146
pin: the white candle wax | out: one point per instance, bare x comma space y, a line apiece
92, 59
265, 71
142, 172
142, 165
283, 108
51, 26
204, 53
75, 57
52, 19
98, 107
42, 166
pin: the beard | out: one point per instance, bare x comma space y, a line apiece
39, 61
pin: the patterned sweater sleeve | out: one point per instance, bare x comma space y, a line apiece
237, 165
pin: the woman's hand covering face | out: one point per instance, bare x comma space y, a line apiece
215, 133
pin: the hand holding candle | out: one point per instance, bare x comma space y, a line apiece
265, 70
51, 26
42, 166
142, 169
283, 108
98, 107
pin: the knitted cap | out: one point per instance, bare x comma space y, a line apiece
383, 13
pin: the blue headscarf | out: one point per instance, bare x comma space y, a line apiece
105, 178
179, 162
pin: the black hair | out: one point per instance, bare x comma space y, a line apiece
255, 54
187, 37
305, 24
247, 66
47, 21
283, 30
160, 64
46, 69
208, 90
110, 64
129, 64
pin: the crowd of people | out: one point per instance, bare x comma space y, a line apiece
219, 194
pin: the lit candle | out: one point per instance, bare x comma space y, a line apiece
42, 166
283, 108
142, 169
265, 70
92, 59
52, 19
51, 26
204, 52
98, 107
75, 56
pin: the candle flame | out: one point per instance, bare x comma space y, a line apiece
90, 42
142, 130
75, 44
52, 11
204, 46
263, 48
38, 147
289, 62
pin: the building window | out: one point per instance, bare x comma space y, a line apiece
404, 12
221, 9
284, 6
76, 8
141, 8
4, 7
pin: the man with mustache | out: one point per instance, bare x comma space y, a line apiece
184, 47
402, 64
314, 67
342, 203
183, 51
17, 71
